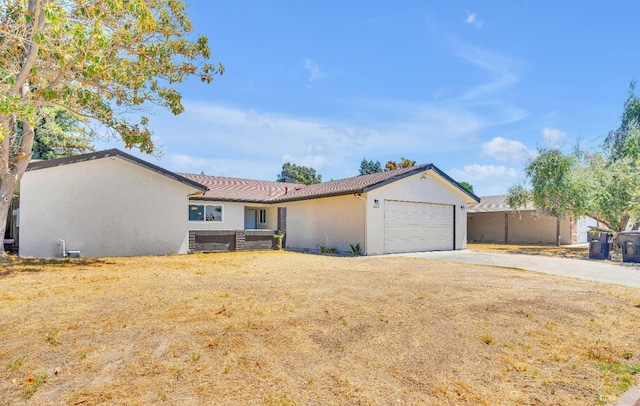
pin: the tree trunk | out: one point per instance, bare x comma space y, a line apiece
558, 231
6, 193
11, 175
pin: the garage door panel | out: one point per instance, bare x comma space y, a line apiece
415, 226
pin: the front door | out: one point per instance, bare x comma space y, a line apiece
250, 219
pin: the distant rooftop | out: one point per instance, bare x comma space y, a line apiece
497, 203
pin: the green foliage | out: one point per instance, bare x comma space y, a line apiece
610, 188
581, 184
621, 373
404, 163
292, 173
367, 167
327, 250
518, 196
106, 61
33, 385
549, 174
99, 59
16, 363
629, 123
60, 134
467, 186
355, 249
553, 192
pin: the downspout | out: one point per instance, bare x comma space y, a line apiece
359, 196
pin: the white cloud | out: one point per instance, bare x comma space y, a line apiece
194, 164
502, 70
248, 143
316, 155
505, 150
487, 179
314, 70
229, 141
477, 172
553, 137
472, 19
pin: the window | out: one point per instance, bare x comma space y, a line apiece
262, 216
205, 212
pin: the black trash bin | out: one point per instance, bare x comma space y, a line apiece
630, 245
599, 243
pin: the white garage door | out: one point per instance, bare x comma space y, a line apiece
413, 226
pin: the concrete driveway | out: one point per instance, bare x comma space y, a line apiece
591, 270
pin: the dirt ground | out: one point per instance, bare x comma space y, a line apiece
278, 328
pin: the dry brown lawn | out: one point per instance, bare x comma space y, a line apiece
277, 328
564, 251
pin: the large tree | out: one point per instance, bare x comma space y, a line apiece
404, 163
367, 167
468, 186
603, 185
103, 60
629, 122
610, 187
59, 134
554, 190
581, 183
292, 173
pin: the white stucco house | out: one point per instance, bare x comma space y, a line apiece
103, 204
110, 203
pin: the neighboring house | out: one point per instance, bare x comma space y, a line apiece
493, 221
109, 204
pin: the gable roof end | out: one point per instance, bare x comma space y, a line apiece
364, 183
36, 165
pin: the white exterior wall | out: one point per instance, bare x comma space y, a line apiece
233, 216
330, 221
433, 189
102, 207
272, 215
584, 224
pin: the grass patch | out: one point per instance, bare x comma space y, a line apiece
33, 384
624, 375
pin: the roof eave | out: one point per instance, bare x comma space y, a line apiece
231, 200
392, 179
285, 199
33, 166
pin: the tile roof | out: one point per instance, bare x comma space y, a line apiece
235, 189
497, 203
356, 184
259, 191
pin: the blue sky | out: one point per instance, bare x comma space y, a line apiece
473, 87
